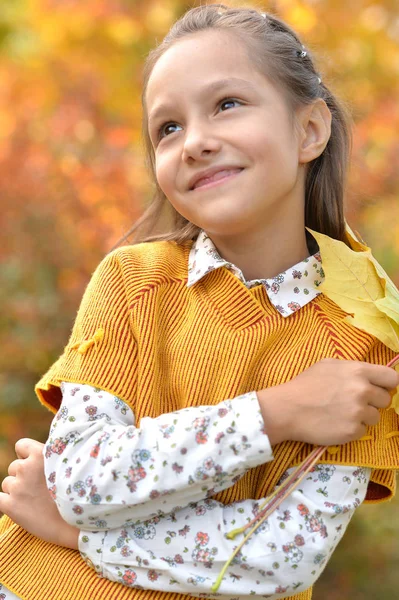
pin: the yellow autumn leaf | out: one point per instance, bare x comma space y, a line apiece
359, 285
390, 302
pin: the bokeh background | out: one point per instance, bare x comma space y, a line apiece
72, 181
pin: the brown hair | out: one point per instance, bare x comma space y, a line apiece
277, 52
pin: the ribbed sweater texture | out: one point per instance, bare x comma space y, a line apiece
145, 337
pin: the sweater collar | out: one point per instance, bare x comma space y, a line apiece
288, 292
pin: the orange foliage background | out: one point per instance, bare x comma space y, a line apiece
72, 180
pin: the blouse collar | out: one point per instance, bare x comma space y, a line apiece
288, 292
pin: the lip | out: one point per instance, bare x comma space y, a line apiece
210, 173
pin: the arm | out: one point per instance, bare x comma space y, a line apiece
184, 551
104, 472
303, 532
180, 545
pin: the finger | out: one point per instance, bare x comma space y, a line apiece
5, 503
371, 416
12, 468
361, 432
384, 377
6, 484
25, 446
380, 398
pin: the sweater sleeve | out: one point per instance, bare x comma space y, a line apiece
104, 472
185, 550
101, 350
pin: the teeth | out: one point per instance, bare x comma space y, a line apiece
216, 177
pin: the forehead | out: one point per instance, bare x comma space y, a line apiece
197, 59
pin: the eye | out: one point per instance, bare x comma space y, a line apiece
162, 131
228, 101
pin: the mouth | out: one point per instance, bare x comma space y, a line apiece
217, 179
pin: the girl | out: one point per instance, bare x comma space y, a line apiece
204, 363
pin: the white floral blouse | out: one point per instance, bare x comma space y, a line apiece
142, 497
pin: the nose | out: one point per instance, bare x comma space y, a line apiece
200, 141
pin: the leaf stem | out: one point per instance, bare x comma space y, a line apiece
392, 363
273, 501
277, 493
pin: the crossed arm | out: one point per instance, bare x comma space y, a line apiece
136, 502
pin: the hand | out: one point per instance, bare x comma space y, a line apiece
330, 403
27, 501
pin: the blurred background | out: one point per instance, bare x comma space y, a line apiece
72, 181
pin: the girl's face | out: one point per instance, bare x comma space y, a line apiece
209, 107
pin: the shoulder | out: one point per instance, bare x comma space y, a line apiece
167, 256
149, 264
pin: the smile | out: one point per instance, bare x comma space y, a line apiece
217, 179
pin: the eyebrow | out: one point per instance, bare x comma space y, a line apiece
213, 87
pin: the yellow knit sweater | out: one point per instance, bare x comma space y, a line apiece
142, 335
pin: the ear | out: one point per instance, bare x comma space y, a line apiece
314, 130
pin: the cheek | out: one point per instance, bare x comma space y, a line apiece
166, 172
161, 173
278, 152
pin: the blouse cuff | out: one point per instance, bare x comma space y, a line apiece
251, 431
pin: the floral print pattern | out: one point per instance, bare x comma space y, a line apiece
142, 499
185, 550
103, 472
288, 291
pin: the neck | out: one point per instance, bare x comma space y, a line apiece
266, 253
